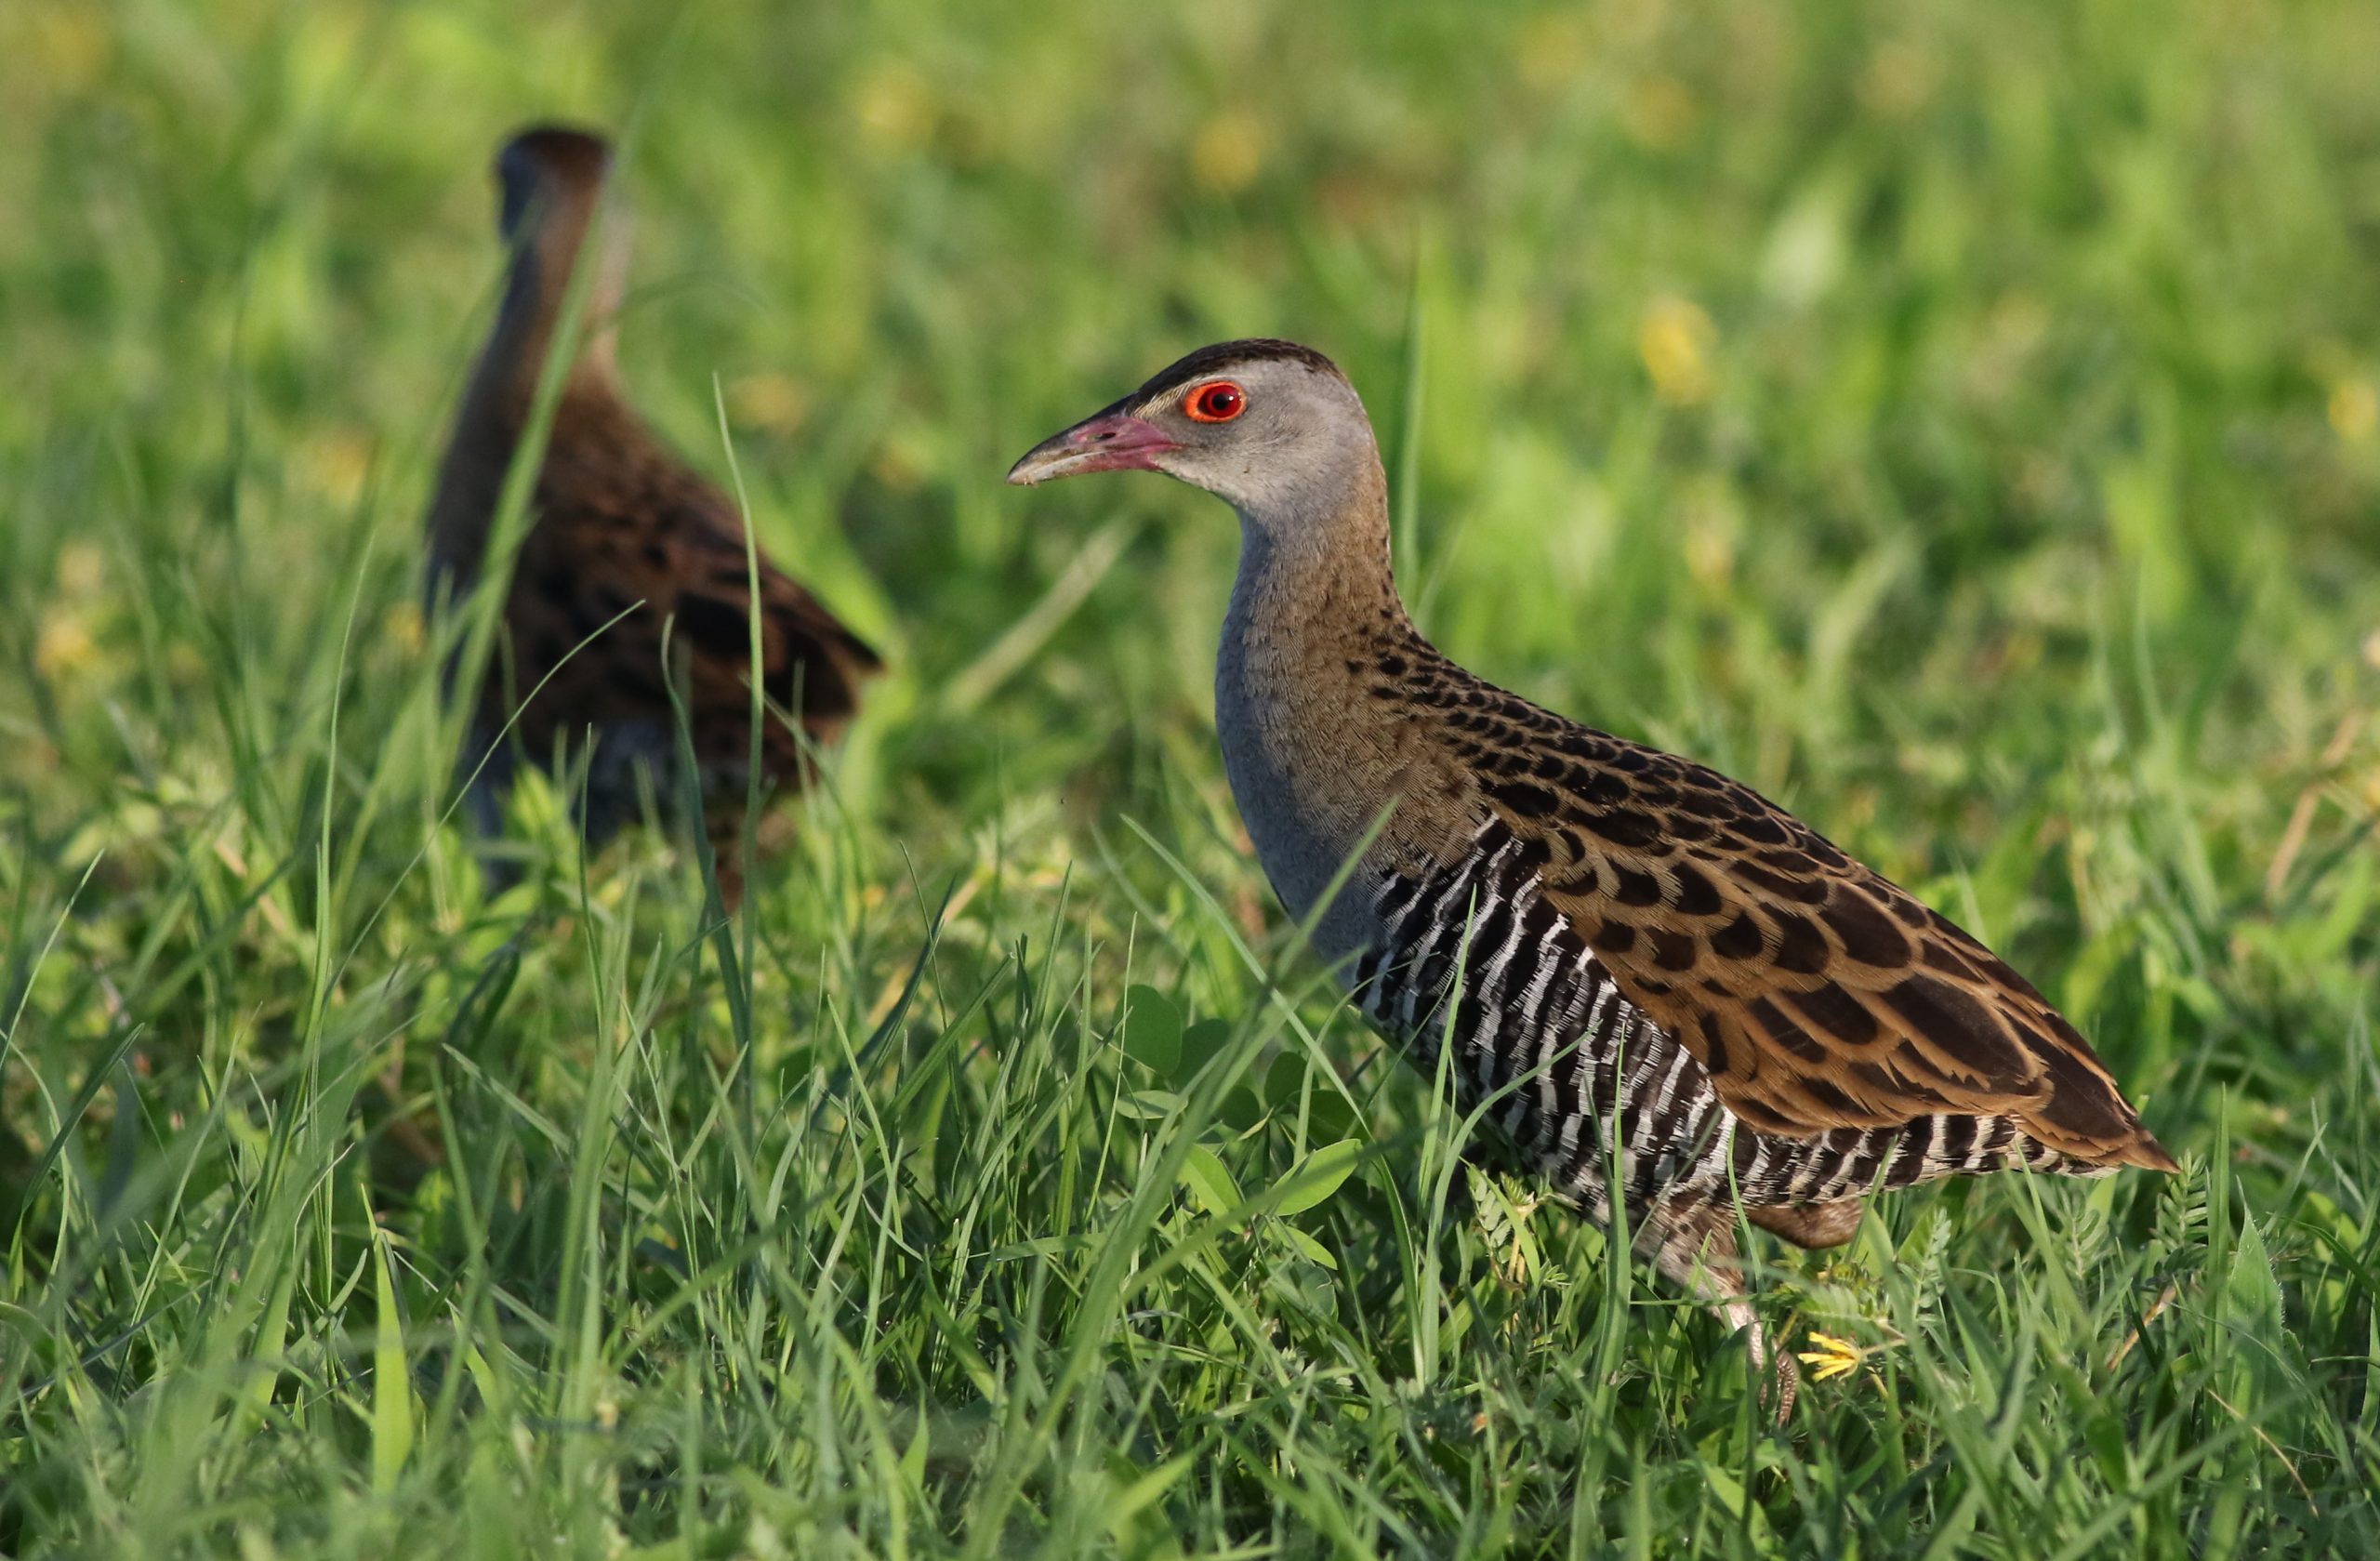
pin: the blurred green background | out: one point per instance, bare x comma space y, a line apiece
1960, 422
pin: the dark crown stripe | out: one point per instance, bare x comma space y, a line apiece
1212, 359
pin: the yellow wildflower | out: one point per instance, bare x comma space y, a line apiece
335, 463
1898, 80
1675, 340
82, 568
773, 403
1552, 48
896, 107
64, 645
1834, 1357
1227, 154
404, 629
2355, 409
1658, 112
72, 47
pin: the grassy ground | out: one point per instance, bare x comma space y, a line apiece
1959, 421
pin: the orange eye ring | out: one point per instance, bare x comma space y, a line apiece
1218, 401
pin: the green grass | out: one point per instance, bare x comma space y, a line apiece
1956, 420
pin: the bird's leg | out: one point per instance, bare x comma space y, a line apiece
1811, 1225
1695, 1249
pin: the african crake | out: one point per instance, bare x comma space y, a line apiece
1619, 930
622, 529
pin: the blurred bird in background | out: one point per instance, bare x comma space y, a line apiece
625, 540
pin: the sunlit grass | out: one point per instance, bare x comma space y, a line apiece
1958, 422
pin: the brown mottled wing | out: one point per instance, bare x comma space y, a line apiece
624, 529
1818, 994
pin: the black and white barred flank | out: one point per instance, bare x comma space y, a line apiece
1538, 1024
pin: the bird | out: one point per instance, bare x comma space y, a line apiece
625, 539
1668, 992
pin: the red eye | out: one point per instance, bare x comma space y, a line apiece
1217, 401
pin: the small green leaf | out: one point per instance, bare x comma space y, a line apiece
2255, 1294
392, 1381
1201, 1044
1210, 1182
1241, 1110
1283, 1081
1327, 1115
1135, 1490
913, 1461
1151, 1029
1306, 1246
1314, 1178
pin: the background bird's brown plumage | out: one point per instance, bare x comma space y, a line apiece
625, 541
